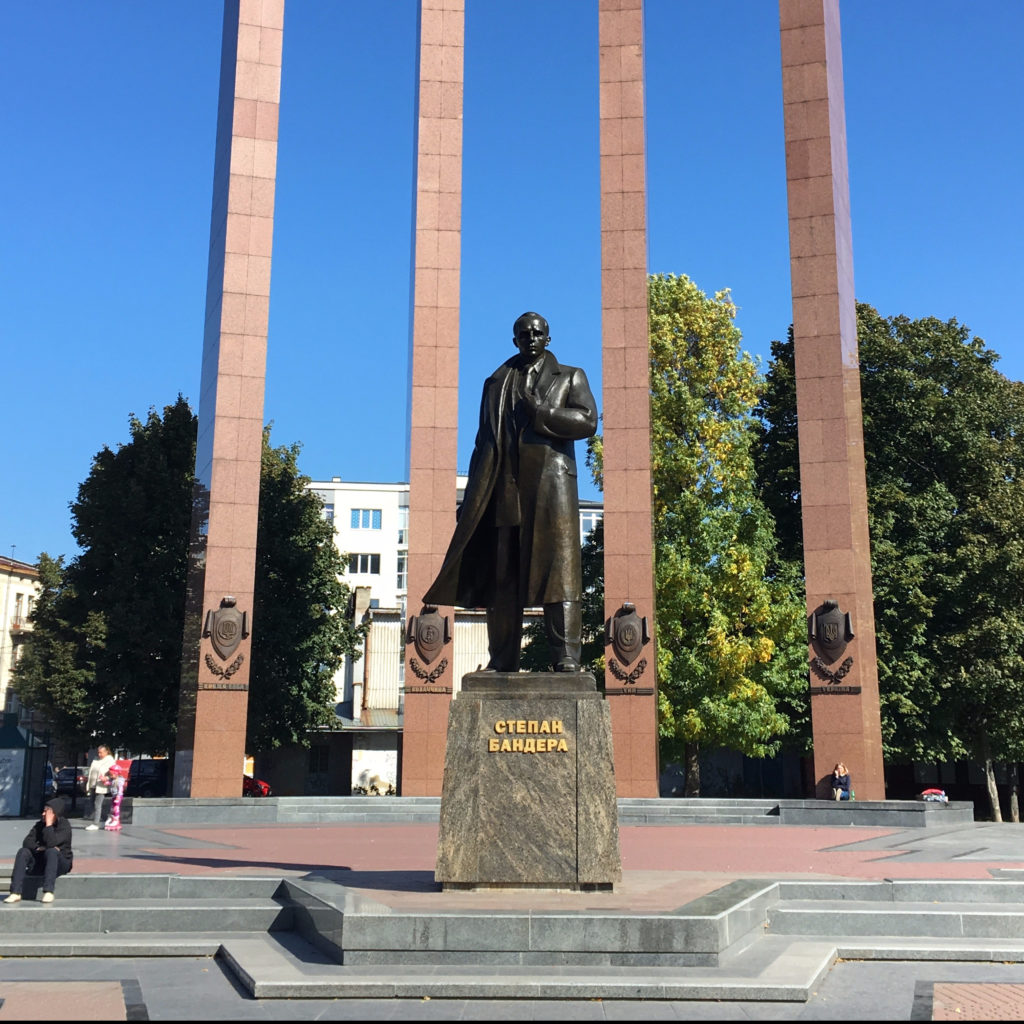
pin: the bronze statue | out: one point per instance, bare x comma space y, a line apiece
517, 541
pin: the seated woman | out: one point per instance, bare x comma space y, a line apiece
46, 851
840, 782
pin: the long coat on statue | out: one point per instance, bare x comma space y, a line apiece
524, 475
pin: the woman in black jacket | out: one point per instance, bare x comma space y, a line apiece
46, 851
841, 782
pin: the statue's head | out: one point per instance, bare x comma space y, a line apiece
530, 334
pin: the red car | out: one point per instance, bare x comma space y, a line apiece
254, 787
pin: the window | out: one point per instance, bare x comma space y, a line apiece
18, 598
403, 524
327, 497
365, 519
364, 564
588, 520
403, 572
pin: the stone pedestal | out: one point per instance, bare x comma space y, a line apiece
529, 785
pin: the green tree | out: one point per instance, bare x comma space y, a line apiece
302, 631
729, 617
131, 521
55, 673
729, 623
104, 658
942, 437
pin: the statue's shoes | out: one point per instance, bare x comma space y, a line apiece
567, 665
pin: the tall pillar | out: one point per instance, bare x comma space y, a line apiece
837, 555
628, 543
435, 376
214, 689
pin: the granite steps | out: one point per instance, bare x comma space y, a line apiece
751, 940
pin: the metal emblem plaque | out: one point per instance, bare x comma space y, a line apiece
429, 632
829, 631
627, 632
226, 628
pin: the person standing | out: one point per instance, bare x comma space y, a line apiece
46, 851
98, 784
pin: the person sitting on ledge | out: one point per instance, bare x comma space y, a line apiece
840, 782
45, 851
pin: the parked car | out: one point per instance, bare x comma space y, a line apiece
254, 787
49, 781
71, 780
148, 776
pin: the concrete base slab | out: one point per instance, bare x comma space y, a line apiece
275, 967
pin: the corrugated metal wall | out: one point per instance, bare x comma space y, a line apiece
384, 650
470, 645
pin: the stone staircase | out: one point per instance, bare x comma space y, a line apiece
314, 937
974, 911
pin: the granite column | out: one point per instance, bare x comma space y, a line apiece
435, 376
214, 689
833, 492
628, 544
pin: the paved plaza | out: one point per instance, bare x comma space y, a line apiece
664, 867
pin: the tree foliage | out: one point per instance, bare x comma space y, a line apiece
104, 658
131, 521
943, 443
729, 623
729, 615
301, 629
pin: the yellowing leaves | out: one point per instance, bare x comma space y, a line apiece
720, 619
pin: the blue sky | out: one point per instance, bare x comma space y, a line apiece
108, 129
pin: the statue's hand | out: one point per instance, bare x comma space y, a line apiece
532, 403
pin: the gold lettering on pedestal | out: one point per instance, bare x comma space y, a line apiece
538, 745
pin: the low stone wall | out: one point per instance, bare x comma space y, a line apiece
632, 811
877, 813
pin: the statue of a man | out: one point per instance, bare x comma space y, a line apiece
517, 541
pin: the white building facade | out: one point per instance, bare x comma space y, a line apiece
19, 588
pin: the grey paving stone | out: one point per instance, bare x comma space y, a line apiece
31, 918
959, 891
836, 890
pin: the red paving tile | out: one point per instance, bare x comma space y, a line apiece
694, 857
964, 1001
62, 1000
